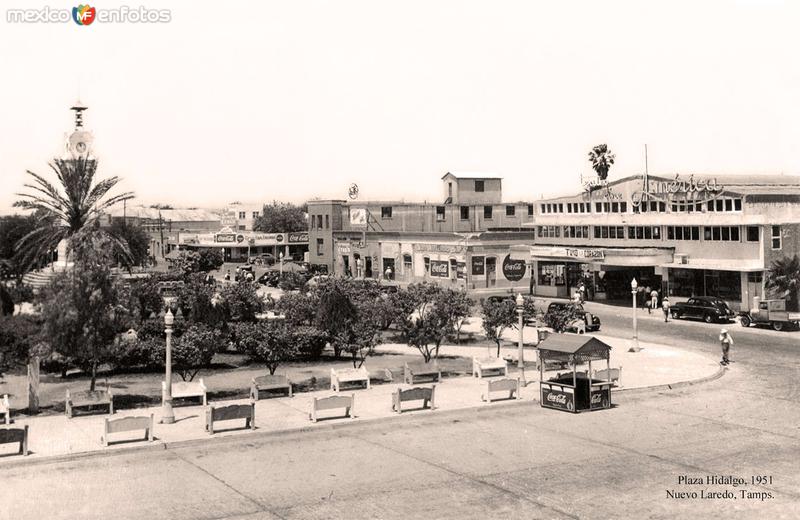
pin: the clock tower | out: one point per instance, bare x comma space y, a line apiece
79, 142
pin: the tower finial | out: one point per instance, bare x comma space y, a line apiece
78, 108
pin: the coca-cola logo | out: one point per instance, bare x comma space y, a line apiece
441, 269
597, 398
513, 270
557, 398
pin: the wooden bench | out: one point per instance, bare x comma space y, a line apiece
479, 366
348, 375
128, 424
20, 435
229, 413
88, 399
419, 393
612, 375
269, 383
332, 403
412, 370
5, 408
502, 385
186, 389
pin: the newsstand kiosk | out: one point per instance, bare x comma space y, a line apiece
574, 391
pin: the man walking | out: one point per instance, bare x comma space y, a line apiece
665, 308
653, 301
725, 342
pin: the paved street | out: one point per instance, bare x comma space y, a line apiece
517, 461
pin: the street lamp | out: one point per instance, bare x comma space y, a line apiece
635, 346
280, 256
167, 416
520, 361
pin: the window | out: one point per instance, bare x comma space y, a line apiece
311, 217
615, 232
530, 210
549, 231
479, 186
320, 247
327, 222
464, 212
255, 214
319, 221
407, 264
543, 208
723, 233
683, 233
576, 231
752, 233
561, 208
776, 237
756, 277
242, 215
511, 211
737, 204
487, 212
427, 264
440, 214
242, 227
551, 273
386, 212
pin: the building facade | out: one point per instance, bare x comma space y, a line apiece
238, 246
683, 235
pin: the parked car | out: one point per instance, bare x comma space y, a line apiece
707, 308
262, 259
772, 313
591, 322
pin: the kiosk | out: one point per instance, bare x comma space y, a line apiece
574, 391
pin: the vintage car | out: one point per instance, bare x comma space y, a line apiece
707, 308
772, 313
590, 322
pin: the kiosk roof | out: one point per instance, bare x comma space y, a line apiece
585, 347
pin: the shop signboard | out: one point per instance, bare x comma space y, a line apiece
296, 238
358, 216
461, 270
240, 238
601, 397
440, 248
440, 268
225, 237
513, 270
344, 249
478, 265
585, 253
228, 218
555, 397
690, 190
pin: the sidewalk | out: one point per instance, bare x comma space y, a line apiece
58, 436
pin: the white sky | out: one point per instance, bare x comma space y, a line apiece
289, 100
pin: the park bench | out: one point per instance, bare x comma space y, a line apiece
502, 385
412, 370
128, 424
332, 403
348, 375
479, 366
5, 408
187, 389
419, 393
612, 375
229, 413
269, 383
88, 399
20, 435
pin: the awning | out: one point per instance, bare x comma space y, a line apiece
747, 266
564, 347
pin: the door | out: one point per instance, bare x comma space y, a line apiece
755, 289
491, 271
346, 262
368, 267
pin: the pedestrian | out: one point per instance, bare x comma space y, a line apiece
388, 273
725, 342
645, 300
582, 291
653, 301
665, 308
228, 275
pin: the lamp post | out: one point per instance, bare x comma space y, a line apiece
520, 361
635, 346
280, 256
167, 416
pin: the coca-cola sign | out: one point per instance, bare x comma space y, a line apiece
440, 268
554, 398
513, 270
601, 398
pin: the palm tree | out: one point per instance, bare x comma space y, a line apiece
61, 213
602, 159
784, 278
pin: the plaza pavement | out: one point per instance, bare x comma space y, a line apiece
58, 437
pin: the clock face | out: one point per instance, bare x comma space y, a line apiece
80, 147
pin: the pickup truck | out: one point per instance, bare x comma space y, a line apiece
772, 313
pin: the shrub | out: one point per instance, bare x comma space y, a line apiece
299, 308
147, 352
243, 301
194, 349
266, 342
560, 318
309, 341
18, 335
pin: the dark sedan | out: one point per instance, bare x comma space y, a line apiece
707, 308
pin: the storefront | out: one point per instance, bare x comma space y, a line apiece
238, 246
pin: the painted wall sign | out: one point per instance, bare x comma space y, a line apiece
439, 248
358, 216
461, 270
585, 253
225, 237
513, 270
295, 238
478, 264
344, 249
440, 268
689, 189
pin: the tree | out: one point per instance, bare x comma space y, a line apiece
199, 261
18, 335
359, 339
64, 210
432, 319
299, 308
242, 301
783, 277
335, 313
81, 310
497, 317
200, 302
602, 159
270, 343
12, 229
137, 240
145, 298
459, 306
281, 217
6, 301
194, 349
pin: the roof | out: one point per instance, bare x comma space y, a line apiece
580, 345
472, 175
175, 215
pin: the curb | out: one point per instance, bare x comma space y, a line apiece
673, 386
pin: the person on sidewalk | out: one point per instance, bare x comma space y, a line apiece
725, 342
665, 308
653, 301
646, 300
